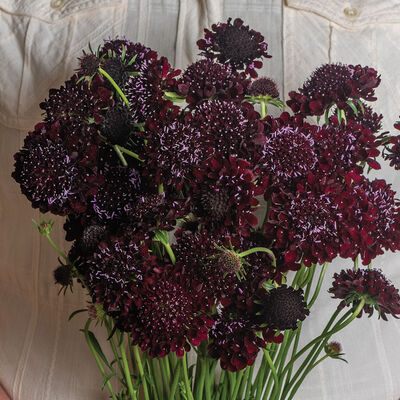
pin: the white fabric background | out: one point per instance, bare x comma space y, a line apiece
42, 356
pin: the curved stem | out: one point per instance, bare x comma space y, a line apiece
116, 87
319, 284
261, 249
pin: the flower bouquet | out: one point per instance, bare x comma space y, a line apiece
200, 223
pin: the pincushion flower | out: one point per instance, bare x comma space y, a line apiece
224, 194
306, 222
334, 84
288, 153
145, 92
228, 129
235, 44
341, 148
370, 285
281, 308
171, 313
233, 340
206, 79
117, 195
370, 220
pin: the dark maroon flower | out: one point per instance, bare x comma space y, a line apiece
235, 44
224, 194
88, 65
282, 308
111, 270
305, 222
171, 314
228, 129
367, 284
75, 103
48, 175
173, 152
145, 92
233, 340
206, 79
392, 153
366, 117
370, 219
288, 154
63, 275
342, 147
264, 87
117, 125
117, 195
334, 83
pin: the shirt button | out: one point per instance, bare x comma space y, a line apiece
57, 4
351, 12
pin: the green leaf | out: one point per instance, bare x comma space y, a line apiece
361, 105
106, 379
97, 348
353, 107
76, 312
132, 60
339, 116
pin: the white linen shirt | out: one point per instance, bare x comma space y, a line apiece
44, 357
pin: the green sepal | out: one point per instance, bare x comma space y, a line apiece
76, 312
353, 107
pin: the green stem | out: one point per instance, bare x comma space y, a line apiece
237, 384
337, 328
261, 249
177, 374
319, 284
141, 372
130, 153
249, 383
120, 155
200, 382
98, 361
189, 393
116, 87
126, 371
263, 109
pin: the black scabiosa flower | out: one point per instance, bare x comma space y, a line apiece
117, 125
342, 147
228, 129
233, 340
206, 79
370, 285
305, 222
370, 219
171, 313
117, 195
224, 194
145, 92
288, 154
235, 44
47, 174
264, 87
334, 83
63, 275
366, 117
88, 65
282, 308
173, 151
